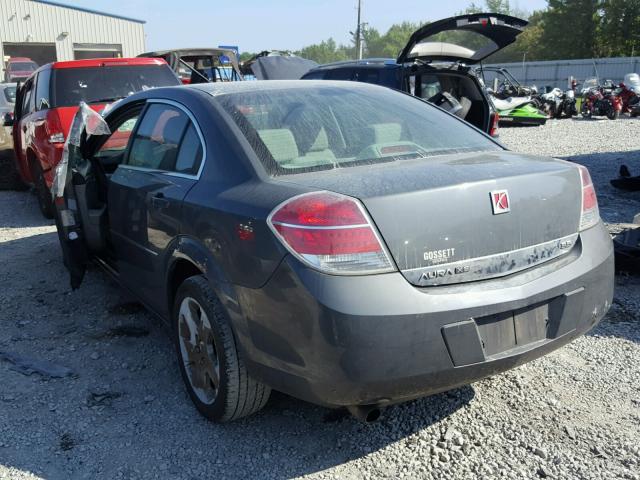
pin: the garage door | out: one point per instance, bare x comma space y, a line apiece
82, 51
41, 53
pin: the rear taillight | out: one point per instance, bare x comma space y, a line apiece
590, 213
495, 120
331, 233
54, 127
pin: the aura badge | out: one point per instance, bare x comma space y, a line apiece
500, 202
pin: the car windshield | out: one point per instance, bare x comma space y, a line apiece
10, 94
107, 84
23, 67
297, 130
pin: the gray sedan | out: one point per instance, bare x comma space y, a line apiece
343, 243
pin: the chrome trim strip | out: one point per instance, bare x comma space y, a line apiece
490, 266
311, 227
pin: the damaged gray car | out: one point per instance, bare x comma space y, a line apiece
341, 242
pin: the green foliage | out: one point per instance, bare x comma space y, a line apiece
327, 51
566, 29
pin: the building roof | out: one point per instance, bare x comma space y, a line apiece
88, 10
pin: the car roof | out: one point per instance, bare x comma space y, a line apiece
365, 63
20, 59
107, 62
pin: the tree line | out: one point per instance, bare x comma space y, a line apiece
565, 29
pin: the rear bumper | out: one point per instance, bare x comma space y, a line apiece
376, 339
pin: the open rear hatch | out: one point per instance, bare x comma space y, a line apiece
469, 217
466, 38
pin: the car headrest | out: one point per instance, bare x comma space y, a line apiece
280, 143
321, 142
386, 132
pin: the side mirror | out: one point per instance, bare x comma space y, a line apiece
7, 119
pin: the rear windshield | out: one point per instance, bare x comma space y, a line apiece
23, 67
322, 128
10, 94
70, 86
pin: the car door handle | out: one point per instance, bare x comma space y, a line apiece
159, 201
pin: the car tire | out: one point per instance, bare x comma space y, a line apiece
9, 177
45, 202
613, 114
208, 350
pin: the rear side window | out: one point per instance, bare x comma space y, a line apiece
368, 75
190, 153
314, 76
107, 84
340, 74
166, 140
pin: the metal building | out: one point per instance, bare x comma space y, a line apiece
46, 31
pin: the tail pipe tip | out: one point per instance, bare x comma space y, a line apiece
365, 413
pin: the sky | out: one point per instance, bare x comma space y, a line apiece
256, 25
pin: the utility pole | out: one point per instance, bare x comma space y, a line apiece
359, 34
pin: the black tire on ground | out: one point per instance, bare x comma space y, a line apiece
613, 114
9, 177
45, 202
237, 394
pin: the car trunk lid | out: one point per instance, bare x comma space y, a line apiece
443, 221
465, 38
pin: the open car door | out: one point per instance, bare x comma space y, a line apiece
70, 176
466, 38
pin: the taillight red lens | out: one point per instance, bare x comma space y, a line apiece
590, 213
495, 121
330, 232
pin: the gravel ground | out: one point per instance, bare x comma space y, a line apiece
119, 409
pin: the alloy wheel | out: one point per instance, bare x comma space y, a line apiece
198, 350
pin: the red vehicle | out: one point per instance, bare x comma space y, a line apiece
19, 68
49, 99
602, 101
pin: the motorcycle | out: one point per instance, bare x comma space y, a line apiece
630, 99
557, 103
515, 103
601, 101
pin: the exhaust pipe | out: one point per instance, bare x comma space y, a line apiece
365, 413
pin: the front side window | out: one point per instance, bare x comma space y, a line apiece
116, 145
166, 140
296, 130
42, 90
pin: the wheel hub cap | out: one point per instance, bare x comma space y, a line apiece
197, 349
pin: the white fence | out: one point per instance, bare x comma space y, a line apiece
557, 72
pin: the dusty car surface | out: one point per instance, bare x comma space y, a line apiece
341, 242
